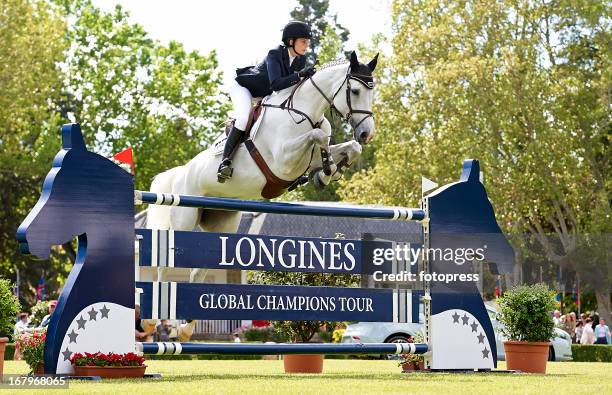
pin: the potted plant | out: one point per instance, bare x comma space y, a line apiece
303, 331
31, 345
412, 362
528, 326
38, 312
109, 365
9, 308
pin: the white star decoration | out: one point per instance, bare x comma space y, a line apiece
103, 327
459, 341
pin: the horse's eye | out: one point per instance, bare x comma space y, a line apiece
355, 91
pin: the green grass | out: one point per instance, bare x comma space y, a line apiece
342, 377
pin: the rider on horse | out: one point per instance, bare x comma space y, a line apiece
283, 67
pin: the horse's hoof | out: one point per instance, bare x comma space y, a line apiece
315, 180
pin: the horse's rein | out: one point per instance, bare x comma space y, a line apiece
288, 103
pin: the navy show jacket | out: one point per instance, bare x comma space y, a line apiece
273, 74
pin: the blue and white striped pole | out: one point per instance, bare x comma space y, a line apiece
392, 213
267, 349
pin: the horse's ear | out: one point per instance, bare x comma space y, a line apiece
354, 61
72, 138
372, 64
471, 171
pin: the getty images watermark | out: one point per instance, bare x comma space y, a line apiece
411, 256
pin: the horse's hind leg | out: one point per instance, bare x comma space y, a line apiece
158, 217
185, 218
220, 221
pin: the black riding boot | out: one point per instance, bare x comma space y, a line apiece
225, 168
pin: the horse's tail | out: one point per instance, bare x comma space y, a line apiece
158, 217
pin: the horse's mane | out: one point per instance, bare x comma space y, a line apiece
337, 62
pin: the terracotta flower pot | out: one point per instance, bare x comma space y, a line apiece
40, 370
110, 372
413, 366
303, 363
526, 357
3, 341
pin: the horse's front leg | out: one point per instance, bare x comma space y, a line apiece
343, 155
297, 153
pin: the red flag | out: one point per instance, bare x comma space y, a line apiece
40, 289
498, 287
126, 156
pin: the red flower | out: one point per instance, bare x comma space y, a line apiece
109, 359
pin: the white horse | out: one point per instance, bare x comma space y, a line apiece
286, 140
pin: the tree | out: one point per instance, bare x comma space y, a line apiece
127, 89
322, 23
521, 85
32, 42
124, 88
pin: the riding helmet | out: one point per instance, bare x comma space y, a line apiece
296, 29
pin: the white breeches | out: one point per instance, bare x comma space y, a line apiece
241, 99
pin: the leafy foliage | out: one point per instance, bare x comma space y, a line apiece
38, 312
591, 353
127, 89
524, 87
32, 347
265, 334
525, 312
32, 42
9, 308
322, 23
67, 61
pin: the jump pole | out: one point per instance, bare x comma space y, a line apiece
166, 199
269, 349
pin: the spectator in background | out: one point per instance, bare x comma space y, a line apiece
602, 333
588, 335
23, 325
583, 318
595, 318
579, 328
570, 324
557, 318
140, 333
237, 338
46, 319
163, 331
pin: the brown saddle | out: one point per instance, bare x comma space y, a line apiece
274, 186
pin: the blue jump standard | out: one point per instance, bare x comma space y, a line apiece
266, 349
166, 199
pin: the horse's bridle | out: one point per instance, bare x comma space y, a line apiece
361, 78
364, 79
